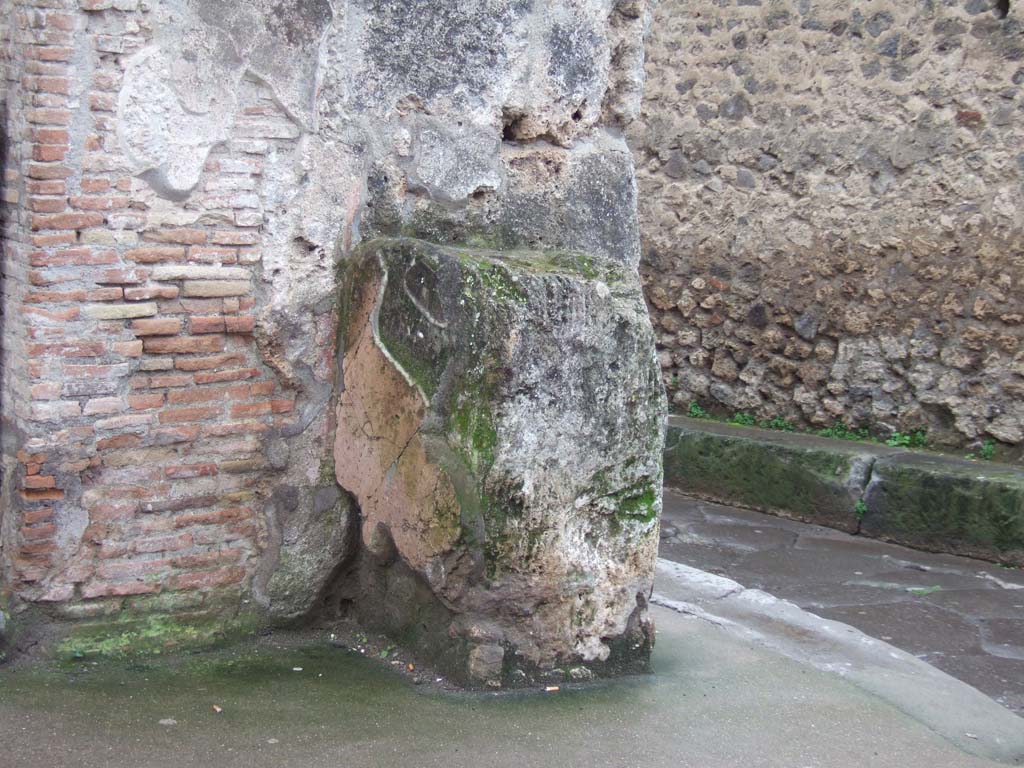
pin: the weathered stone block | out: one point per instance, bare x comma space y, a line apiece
948, 505
215, 288
796, 476
501, 427
119, 311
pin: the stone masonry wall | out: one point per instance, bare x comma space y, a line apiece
830, 198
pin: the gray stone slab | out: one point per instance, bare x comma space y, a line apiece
797, 476
948, 505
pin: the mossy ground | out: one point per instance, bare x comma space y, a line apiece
151, 635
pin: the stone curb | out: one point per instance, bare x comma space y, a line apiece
928, 501
953, 709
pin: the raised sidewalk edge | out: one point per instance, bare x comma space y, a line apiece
919, 499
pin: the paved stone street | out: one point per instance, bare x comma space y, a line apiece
964, 616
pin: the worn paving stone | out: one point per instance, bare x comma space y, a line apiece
971, 627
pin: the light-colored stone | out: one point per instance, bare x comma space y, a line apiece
501, 426
119, 311
215, 288
198, 272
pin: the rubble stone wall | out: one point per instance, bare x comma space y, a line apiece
830, 202
185, 182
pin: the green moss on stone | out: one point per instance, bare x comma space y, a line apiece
938, 507
150, 635
795, 481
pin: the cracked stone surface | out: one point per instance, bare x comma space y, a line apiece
501, 427
965, 617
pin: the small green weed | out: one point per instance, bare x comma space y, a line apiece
916, 439
743, 420
696, 412
988, 450
779, 424
924, 591
860, 509
840, 431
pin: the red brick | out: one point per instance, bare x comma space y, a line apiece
242, 324
152, 292
173, 543
37, 532
39, 481
169, 380
87, 371
67, 221
95, 184
235, 374
118, 441
81, 349
48, 153
46, 187
47, 204
145, 402
119, 589
48, 171
49, 135
72, 257
206, 324
190, 470
49, 53
34, 516
104, 294
172, 435
220, 516
99, 203
63, 315
156, 254
132, 568
236, 428
183, 344
180, 415
122, 276
182, 236
102, 102
42, 495
206, 363
212, 254
48, 116
204, 395
204, 559
157, 326
127, 348
125, 422
235, 237
203, 579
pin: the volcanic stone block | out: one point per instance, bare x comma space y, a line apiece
501, 425
948, 505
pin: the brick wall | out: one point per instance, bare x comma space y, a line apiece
135, 395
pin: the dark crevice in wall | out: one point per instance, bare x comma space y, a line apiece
1002, 8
